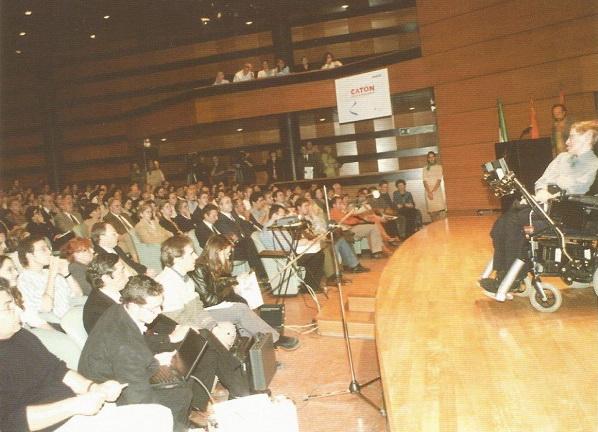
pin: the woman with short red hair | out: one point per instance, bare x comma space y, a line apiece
79, 253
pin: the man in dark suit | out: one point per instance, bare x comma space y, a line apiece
231, 225
119, 221
108, 278
105, 240
116, 350
206, 228
67, 219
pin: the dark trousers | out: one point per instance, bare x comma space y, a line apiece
217, 361
178, 400
410, 214
508, 238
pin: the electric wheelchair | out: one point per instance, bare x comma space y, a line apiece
562, 237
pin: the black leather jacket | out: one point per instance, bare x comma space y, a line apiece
213, 289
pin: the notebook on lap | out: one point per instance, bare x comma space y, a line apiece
183, 362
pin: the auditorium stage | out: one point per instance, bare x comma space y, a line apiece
453, 359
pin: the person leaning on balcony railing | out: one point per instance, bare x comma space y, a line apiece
330, 62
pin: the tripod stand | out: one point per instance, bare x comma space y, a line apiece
354, 386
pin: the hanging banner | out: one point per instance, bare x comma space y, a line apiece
364, 96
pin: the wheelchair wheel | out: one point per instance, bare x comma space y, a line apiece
553, 301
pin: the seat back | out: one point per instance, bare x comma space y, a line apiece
149, 254
61, 345
72, 323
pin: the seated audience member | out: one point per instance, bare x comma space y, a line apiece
148, 229
281, 68
67, 219
48, 207
183, 218
312, 260
386, 209
37, 225
573, 171
330, 62
79, 253
50, 292
228, 223
304, 66
108, 278
105, 240
92, 215
220, 79
347, 256
205, 229
259, 209
403, 201
266, 72
38, 392
183, 305
360, 229
116, 350
245, 74
115, 217
168, 216
14, 215
212, 276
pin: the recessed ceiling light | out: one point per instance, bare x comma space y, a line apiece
28, 12
411, 108
205, 19
92, 36
239, 129
106, 16
248, 22
162, 139
22, 34
345, 6
322, 119
19, 52
219, 15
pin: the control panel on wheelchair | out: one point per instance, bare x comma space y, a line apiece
563, 241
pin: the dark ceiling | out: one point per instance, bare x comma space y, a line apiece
63, 25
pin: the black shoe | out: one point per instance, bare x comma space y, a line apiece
359, 269
489, 284
287, 343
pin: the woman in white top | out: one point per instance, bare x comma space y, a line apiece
281, 67
330, 62
266, 72
220, 79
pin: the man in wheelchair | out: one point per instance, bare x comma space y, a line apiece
571, 172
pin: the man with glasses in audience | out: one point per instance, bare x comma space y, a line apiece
37, 391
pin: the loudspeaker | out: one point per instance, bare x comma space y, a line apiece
527, 159
273, 314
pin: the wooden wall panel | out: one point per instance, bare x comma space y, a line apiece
354, 24
25, 141
28, 160
87, 132
170, 55
429, 12
83, 153
523, 16
412, 162
96, 171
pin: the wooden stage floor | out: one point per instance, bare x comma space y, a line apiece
453, 359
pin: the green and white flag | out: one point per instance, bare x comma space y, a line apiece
503, 136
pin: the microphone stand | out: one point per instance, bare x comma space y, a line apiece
354, 386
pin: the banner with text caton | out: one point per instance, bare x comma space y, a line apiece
364, 96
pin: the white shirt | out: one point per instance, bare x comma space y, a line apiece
266, 74
32, 285
240, 76
177, 292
